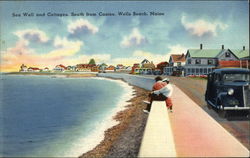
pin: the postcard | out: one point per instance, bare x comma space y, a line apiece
124, 78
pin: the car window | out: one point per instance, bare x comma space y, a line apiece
232, 77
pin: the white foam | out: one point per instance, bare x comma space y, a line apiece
85, 144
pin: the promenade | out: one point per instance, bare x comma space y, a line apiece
196, 134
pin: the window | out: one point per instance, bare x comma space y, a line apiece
197, 70
193, 70
228, 55
201, 70
205, 70
189, 61
197, 61
210, 62
178, 63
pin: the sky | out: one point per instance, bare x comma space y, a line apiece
46, 41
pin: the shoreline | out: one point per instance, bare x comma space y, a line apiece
124, 138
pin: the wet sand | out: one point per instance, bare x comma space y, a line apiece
124, 139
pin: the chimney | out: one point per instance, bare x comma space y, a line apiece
222, 46
201, 46
244, 48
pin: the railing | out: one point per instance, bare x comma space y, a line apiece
158, 138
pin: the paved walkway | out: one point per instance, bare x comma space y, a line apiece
196, 134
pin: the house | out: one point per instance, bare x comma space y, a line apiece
87, 68
176, 65
135, 66
60, 68
203, 61
94, 68
145, 67
160, 67
243, 56
110, 68
83, 68
120, 67
23, 68
46, 69
33, 69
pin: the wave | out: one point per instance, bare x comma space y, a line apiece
87, 143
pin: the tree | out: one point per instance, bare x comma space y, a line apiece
92, 61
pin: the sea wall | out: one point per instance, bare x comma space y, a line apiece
140, 81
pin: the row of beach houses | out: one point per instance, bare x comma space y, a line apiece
196, 62
79, 68
193, 62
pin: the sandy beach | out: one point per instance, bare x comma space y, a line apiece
124, 139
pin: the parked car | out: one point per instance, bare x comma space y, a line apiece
228, 90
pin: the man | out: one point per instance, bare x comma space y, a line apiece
167, 91
157, 86
162, 91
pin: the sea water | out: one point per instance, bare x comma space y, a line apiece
57, 116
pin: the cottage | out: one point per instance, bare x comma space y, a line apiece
33, 69
83, 67
60, 68
111, 68
23, 68
160, 67
145, 67
135, 66
46, 69
176, 65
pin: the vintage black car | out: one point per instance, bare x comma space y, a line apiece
228, 90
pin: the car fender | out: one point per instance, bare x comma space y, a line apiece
221, 98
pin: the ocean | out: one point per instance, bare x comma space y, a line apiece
56, 116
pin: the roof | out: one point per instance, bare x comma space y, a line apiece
145, 61
212, 53
62, 66
240, 53
163, 63
34, 68
178, 57
205, 53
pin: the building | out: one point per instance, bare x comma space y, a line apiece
203, 61
146, 68
33, 69
160, 67
176, 65
23, 68
60, 68
135, 66
110, 68
46, 69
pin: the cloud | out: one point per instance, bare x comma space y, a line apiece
177, 49
82, 26
64, 50
201, 27
134, 39
64, 47
33, 35
138, 56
